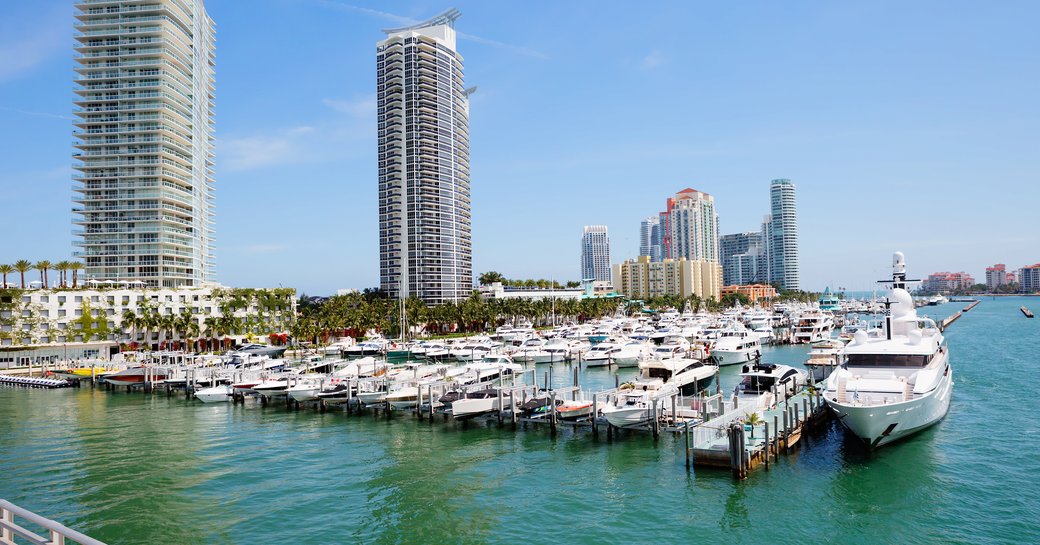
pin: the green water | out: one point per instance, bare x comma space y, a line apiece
129, 468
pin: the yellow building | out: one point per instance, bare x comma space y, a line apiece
642, 279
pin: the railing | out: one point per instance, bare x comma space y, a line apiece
708, 432
58, 533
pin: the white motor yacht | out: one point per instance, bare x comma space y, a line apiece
824, 357
736, 346
898, 381
215, 394
634, 406
630, 354
764, 384
688, 375
601, 354
813, 326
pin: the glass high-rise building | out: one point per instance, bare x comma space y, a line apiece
144, 191
425, 238
783, 235
595, 253
743, 258
650, 238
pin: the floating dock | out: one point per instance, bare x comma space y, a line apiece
972, 305
33, 382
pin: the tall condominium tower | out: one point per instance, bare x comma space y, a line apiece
650, 238
692, 226
425, 237
743, 258
783, 233
144, 193
595, 253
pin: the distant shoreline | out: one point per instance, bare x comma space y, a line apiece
1000, 295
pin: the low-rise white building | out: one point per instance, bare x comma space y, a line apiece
94, 321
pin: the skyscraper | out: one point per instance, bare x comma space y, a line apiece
743, 258
650, 238
425, 240
692, 226
595, 253
144, 193
783, 244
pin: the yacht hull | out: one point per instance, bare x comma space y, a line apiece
735, 357
879, 425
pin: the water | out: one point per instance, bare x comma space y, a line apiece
128, 468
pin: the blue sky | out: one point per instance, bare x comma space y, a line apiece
909, 126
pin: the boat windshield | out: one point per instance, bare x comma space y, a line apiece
657, 372
888, 360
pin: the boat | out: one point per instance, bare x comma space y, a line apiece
573, 410
601, 354
824, 357
736, 346
214, 394
688, 375
136, 375
633, 406
306, 388
256, 349
896, 381
78, 373
475, 403
630, 354
812, 326
764, 384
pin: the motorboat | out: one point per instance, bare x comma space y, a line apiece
688, 375
573, 410
214, 394
601, 354
306, 388
475, 403
633, 406
764, 384
630, 354
736, 347
896, 381
371, 347
824, 357
137, 375
812, 326
256, 349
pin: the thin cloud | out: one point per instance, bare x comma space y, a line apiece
654, 59
252, 152
38, 114
362, 107
405, 21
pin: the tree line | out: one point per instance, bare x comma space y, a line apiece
23, 266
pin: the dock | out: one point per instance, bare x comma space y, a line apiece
14, 521
1026, 311
33, 382
945, 323
971, 305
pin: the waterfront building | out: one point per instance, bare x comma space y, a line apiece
996, 276
942, 282
595, 253
425, 235
641, 278
743, 258
496, 290
93, 321
691, 227
783, 235
650, 238
144, 190
754, 292
1029, 279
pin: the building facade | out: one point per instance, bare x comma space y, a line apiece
641, 278
943, 282
425, 235
996, 276
595, 253
144, 134
650, 238
754, 292
783, 235
743, 258
692, 227
99, 319
1029, 279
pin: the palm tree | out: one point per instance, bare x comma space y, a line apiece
22, 266
6, 269
753, 419
43, 267
491, 277
75, 266
62, 267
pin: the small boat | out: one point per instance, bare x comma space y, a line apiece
634, 406
136, 375
824, 357
572, 410
214, 394
767, 383
256, 349
475, 403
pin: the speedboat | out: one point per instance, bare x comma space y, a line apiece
256, 349
601, 354
633, 406
897, 381
305, 389
136, 375
572, 410
630, 354
475, 403
688, 375
214, 394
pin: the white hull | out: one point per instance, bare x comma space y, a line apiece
878, 425
371, 398
627, 361
628, 416
216, 394
736, 357
309, 393
600, 362
465, 408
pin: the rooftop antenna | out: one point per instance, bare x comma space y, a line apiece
448, 17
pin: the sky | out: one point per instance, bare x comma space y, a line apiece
906, 126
